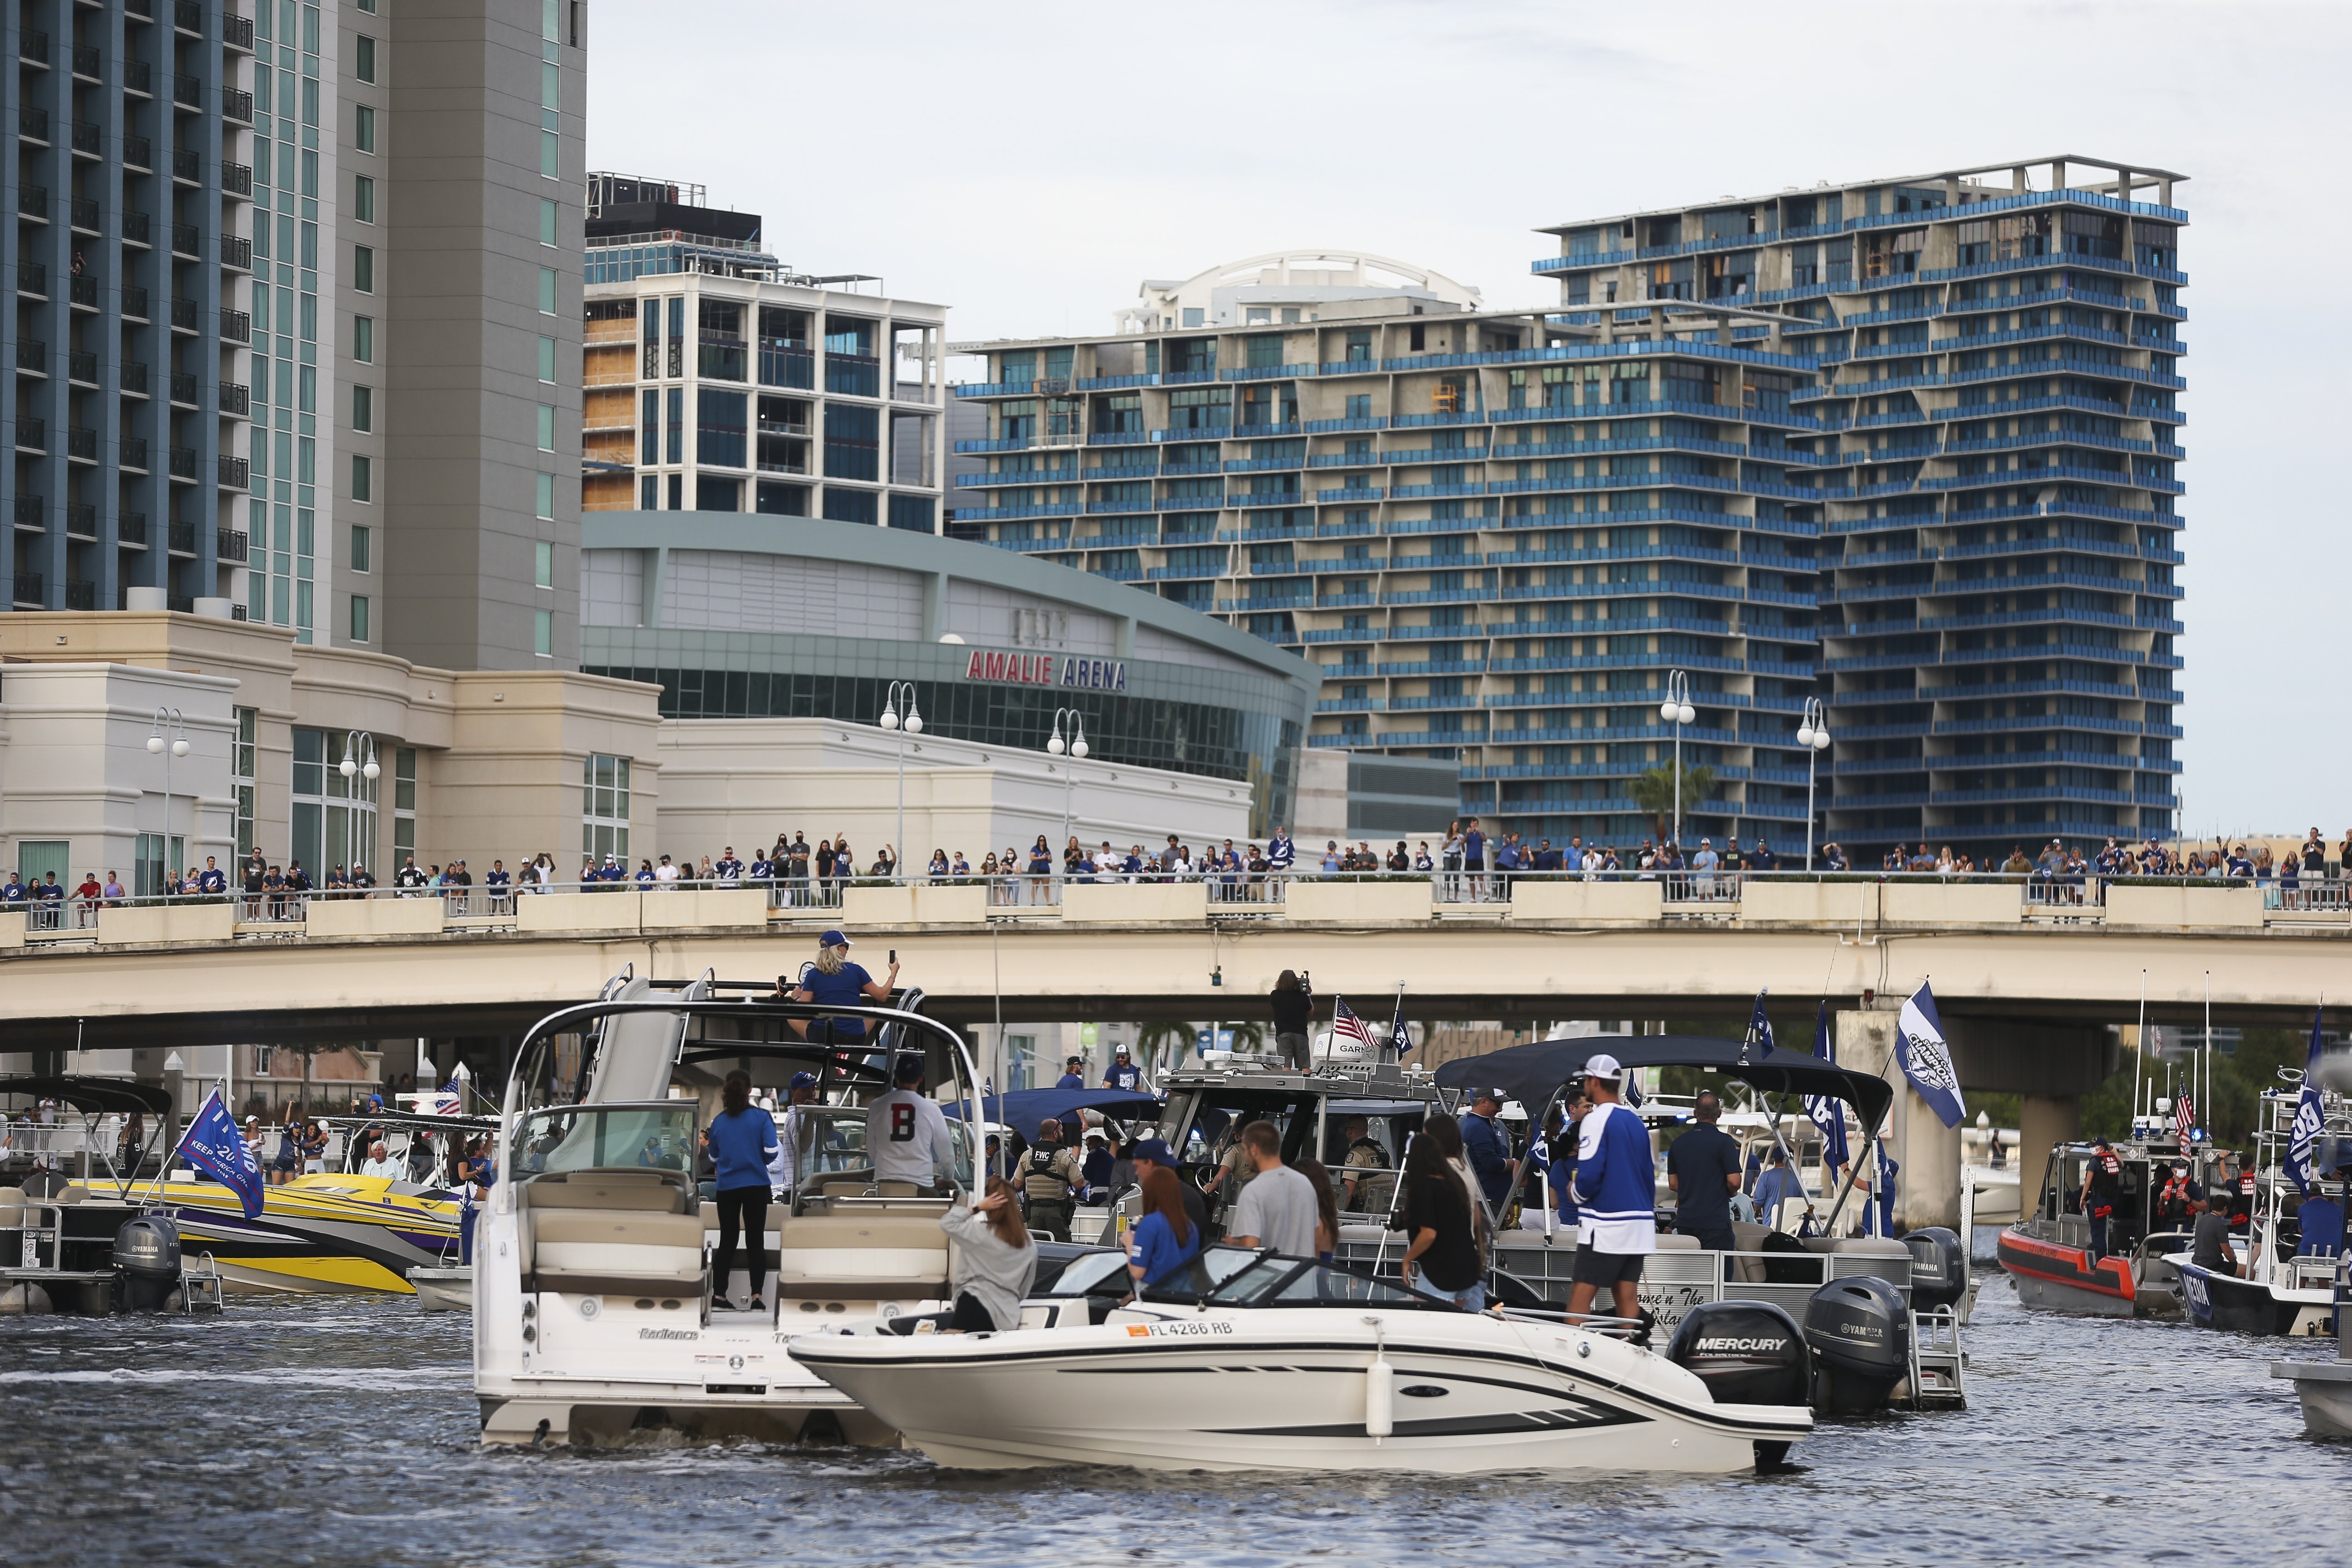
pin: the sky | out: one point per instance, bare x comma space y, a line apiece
1029, 164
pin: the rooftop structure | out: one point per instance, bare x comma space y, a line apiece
1290, 286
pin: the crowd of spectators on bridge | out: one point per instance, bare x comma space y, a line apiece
1468, 865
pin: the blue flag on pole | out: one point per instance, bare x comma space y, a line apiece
2308, 1120
1926, 1060
213, 1145
1400, 1038
1759, 1025
1828, 1112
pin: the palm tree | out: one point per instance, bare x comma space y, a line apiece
1654, 792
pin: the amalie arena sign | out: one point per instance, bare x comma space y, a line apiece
1046, 669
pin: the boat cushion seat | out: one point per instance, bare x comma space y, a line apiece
871, 1248
1747, 1236
655, 1197
1678, 1243
642, 1247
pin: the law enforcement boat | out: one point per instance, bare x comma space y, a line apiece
596, 1315
1270, 1362
2047, 1253
2289, 1272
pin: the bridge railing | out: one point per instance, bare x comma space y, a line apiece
1115, 893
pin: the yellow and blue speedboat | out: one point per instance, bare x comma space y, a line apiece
317, 1235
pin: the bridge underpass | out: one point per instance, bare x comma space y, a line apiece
2029, 1007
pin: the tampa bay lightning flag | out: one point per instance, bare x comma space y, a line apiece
1926, 1060
1828, 1111
1760, 1024
2307, 1117
213, 1145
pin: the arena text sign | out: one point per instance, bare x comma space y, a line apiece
1046, 669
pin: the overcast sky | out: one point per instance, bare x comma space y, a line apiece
1028, 165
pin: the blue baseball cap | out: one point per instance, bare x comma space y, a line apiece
803, 1080
1155, 1149
833, 939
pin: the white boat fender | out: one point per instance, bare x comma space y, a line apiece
1380, 1389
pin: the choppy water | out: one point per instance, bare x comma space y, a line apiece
343, 1432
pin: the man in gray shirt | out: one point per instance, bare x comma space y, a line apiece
1277, 1209
2211, 1248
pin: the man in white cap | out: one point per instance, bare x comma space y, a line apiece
1614, 1189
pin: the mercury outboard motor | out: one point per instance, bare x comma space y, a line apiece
1939, 1270
1746, 1352
147, 1251
1861, 1338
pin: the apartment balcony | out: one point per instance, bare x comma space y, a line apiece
184, 389
237, 179
81, 521
236, 104
132, 377
132, 453
187, 240
134, 302
83, 216
237, 32
231, 545
33, 124
33, 279
33, 202
180, 539
130, 529
183, 464
81, 367
81, 444
185, 314
236, 398
237, 252
236, 327
32, 435
137, 76
187, 167
89, 138
234, 473
33, 47
31, 590
135, 229
33, 357
187, 89
82, 293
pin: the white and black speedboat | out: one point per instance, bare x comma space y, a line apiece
2286, 1282
1283, 1364
596, 1312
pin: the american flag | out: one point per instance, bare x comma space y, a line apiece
2184, 1117
449, 1101
1344, 1023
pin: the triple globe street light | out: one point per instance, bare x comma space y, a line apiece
1814, 734
910, 724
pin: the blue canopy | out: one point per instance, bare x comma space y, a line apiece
1030, 1108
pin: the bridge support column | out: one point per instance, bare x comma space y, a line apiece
2043, 1123
1927, 1185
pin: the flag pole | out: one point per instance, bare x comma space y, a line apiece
2209, 1043
2140, 1047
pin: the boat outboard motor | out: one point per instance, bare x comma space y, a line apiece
147, 1251
1939, 1270
1746, 1352
1861, 1338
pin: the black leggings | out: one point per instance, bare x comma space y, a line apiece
746, 1206
970, 1316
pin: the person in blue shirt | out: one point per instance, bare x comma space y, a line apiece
1071, 1077
833, 981
1474, 858
1615, 1187
11, 891
1777, 1186
645, 874
1487, 1147
730, 870
1166, 1241
214, 880
742, 1141
1123, 1073
1280, 852
1702, 1168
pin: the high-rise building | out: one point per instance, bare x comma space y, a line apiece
482, 366
721, 380
129, 198
1993, 485
1942, 407
1498, 533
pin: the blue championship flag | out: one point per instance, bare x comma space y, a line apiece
1828, 1111
2308, 1120
1760, 1024
213, 1145
1926, 1060
1400, 1039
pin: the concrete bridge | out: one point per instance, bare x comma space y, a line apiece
2028, 988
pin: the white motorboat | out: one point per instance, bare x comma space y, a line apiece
596, 1313
1283, 1364
449, 1288
2286, 1283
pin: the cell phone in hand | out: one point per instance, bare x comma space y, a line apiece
894, 955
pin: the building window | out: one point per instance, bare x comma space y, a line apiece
915, 513
542, 633
853, 442
404, 802
363, 408
547, 359
782, 501
364, 59
363, 477
333, 817
543, 566
359, 617
547, 211
550, 155
364, 269
720, 428
604, 807
849, 506
364, 128
364, 339
248, 722
547, 427
712, 494
546, 494
649, 491
547, 291
1191, 315
362, 548
362, 198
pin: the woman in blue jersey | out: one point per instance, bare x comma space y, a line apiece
1166, 1241
833, 981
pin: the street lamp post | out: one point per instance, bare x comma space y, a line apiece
1677, 710
1077, 748
354, 745
1814, 734
912, 724
175, 745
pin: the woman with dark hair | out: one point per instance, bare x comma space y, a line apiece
1165, 1240
1434, 1212
742, 1141
1327, 1209
1293, 1006
995, 1264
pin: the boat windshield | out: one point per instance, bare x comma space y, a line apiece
603, 1137
836, 1142
1269, 1280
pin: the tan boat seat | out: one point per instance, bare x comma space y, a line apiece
613, 1252
1748, 1237
655, 1197
1674, 1243
859, 1254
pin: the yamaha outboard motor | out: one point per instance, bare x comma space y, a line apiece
1939, 1270
1746, 1352
1861, 1338
147, 1251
